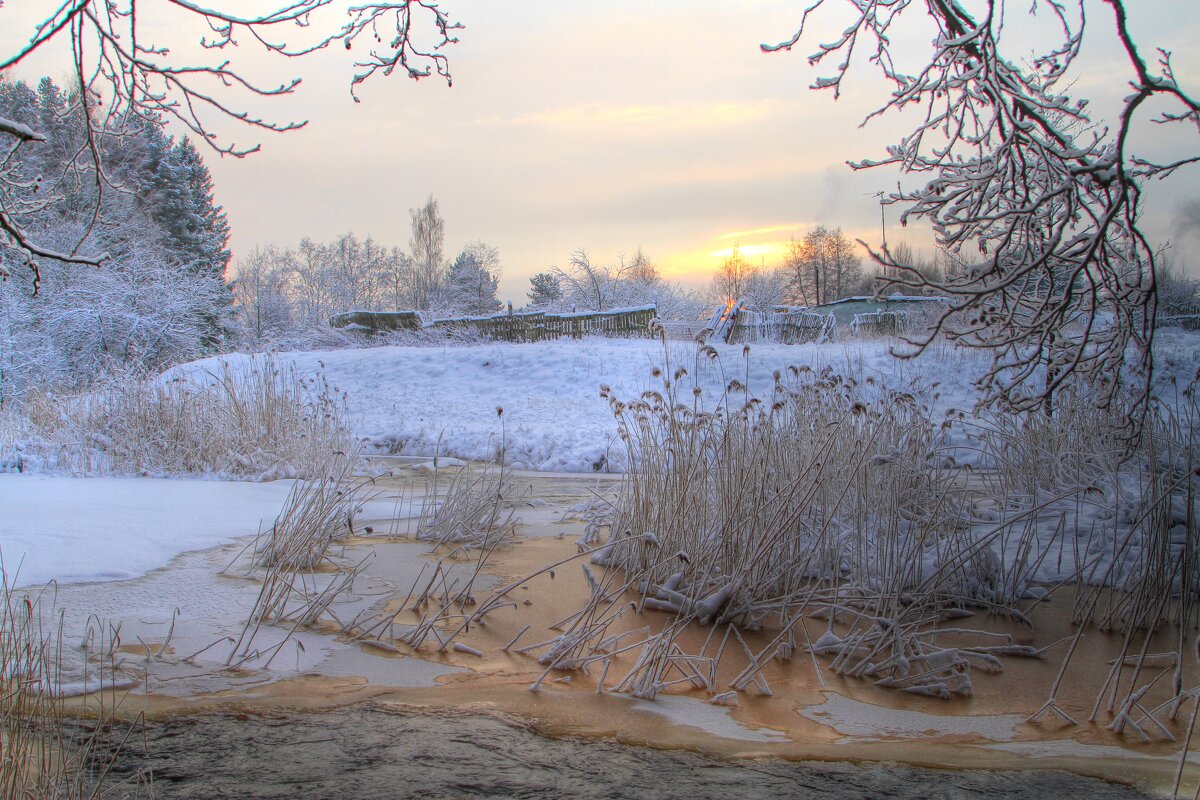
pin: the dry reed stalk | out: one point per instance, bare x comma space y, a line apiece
48, 750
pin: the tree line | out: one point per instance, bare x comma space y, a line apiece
819, 267
159, 298
589, 285
823, 266
290, 293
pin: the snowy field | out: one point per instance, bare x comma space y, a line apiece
419, 400
422, 400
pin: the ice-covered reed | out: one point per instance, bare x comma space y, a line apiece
295, 592
316, 513
476, 509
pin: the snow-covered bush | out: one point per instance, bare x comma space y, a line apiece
157, 296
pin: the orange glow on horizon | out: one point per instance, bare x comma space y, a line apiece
695, 267
750, 251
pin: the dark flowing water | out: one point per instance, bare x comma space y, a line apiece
369, 753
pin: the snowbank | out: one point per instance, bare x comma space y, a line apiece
422, 400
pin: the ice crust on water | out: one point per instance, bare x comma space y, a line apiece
853, 718
80, 529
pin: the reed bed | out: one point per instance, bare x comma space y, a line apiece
259, 421
838, 498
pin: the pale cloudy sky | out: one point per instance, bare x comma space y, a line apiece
611, 126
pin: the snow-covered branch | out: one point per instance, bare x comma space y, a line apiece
129, 81
1019, 173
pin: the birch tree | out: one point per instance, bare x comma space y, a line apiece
425, 246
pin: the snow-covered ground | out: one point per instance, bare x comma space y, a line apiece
78, 529
417, 400
422, 400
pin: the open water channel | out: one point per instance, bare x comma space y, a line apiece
368, 752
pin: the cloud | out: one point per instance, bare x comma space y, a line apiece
751, 250
1187, 219
651, 118
753, 232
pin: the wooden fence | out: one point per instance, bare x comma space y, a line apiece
513, 327
538, 326
795, 327
1185, 315
878, 323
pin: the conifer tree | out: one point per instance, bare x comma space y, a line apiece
473, 280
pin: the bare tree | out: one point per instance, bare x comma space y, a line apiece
260, 294
642, 270
733, 278
586, 285
822, 267
428, 237
1019, 172
1177, 293
845, 266
765, 289
397, 277
128, 80
799, 286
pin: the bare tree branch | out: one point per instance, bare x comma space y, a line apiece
126, 80
1063, 286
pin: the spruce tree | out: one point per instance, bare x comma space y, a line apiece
473, 280
194, 228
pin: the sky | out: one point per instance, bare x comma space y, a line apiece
611, 127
